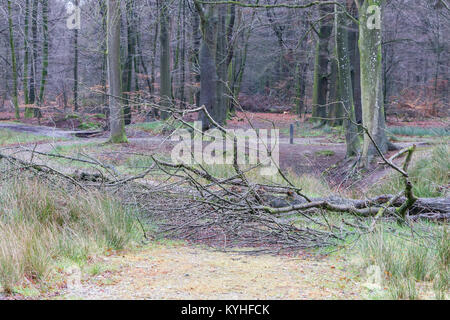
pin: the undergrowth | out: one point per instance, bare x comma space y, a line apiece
429, 175
40, 225
407, 260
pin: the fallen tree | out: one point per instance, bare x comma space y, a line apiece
421, 206
192, 203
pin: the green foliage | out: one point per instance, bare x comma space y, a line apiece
89, 125
325, 153
39, 226
418, 131
404, 261
158, 127
154, 127
401, 289
429, 176
13, 137
72, 116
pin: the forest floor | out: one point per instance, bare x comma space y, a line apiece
168, 270
181, 271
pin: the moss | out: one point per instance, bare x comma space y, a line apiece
325, 153
71, 116
119, 138
88, 125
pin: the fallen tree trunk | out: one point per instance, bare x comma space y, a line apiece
421, 206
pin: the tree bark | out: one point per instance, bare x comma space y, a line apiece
128, 70
221, 59
345, 83
75, 66
26, 54
208, 69
13, 62
113, 39
165, 78
44, 54
371, 82
34, 16
320, 84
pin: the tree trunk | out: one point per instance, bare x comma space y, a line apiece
44, 53
13, 62
345, 83
113, 39
165, 79
26, 54
353, 35
75, 67
320, 84
221, 59
34, 16
128, 70
334, 107
183, 57
371, 82
208, 69
104, 76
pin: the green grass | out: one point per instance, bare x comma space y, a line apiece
89, 126
405, 261
324, 153
429, 175
307, 130
154, 127
8, 137
419, 131
40, 225
157, 127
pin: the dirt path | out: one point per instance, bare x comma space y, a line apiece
186, 272
37, 130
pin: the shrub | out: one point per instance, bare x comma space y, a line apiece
429, 176
40, 225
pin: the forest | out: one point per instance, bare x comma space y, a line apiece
222, 149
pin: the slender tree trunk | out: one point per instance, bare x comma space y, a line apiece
353, 35
183, 57
320, 85
301, 88
113, 39
208, 69
165, 79
13, 62
345, 83
195, 63
44, 53
221, 59
239, 64
26, 54
153, 60
34, 16
334, 107
128, 70
371, 82
75, 67
140, 57
104, 76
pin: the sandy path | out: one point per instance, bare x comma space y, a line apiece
186, 272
